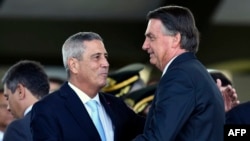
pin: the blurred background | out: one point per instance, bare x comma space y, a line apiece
36, 29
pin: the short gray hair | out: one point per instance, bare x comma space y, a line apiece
73, 47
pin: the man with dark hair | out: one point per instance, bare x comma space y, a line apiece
25, 83
225, 85
187, 104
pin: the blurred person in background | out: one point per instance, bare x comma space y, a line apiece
124, 80
236, 113
55, 83
227, 90
24, 83
140, 100
5, 116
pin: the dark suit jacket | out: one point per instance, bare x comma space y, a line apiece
239, 114
61, 116
188, 105
19, 130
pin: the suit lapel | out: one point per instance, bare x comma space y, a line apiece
107, 104
79, 112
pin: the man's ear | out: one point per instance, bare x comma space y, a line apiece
177, 39
73, 65
20, 91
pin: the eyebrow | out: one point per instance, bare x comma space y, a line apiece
147, 34
98, 53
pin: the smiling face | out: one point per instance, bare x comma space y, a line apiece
159, 45
94, 63
92, 70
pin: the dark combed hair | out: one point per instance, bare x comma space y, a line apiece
177, 19
30, 74
219, 75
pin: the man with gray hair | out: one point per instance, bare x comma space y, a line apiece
67, 114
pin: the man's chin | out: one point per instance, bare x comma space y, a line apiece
103, 84
152, 61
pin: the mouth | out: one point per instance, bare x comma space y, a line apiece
151, 54
104, 74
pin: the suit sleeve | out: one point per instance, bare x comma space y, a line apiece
15, 132
128, 123
173, 104
43, 127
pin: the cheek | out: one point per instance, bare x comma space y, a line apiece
159, 51
11, 102
165, 47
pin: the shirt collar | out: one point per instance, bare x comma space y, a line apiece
168, 64
83, 96
27, 110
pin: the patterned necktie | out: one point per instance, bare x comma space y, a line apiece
95, 118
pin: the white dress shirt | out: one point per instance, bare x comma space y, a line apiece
27, 110
104, 117
1, 135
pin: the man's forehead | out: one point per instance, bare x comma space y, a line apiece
6, 91
154, 27
4, 87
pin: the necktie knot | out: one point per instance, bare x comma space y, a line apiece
93, 105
